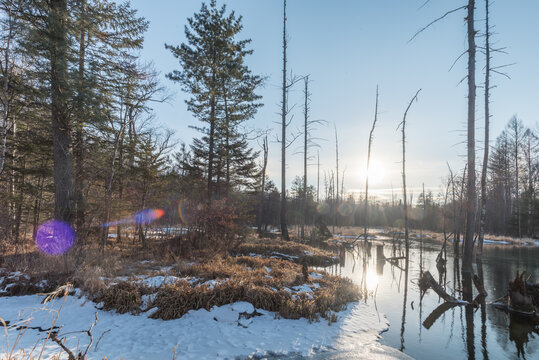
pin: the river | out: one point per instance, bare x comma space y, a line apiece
461, 332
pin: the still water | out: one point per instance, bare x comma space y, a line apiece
460, 332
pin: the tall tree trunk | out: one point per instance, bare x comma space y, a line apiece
335, 210
61, 125
531, 188
517, 186
263, 184
78, 149
318, 177
227, 143
19, 202
470, 186
403, 124
284, 228
483, 207
368, 165
211, 154
305, 156
5, 86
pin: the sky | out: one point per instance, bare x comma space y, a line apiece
348, 48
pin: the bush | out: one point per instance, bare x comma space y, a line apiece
218, 226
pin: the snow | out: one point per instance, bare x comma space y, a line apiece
278, 255
201, 334
212, 283
487, 241
157, 281
315, 275
302, 288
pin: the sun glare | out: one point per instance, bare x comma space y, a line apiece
371, 280
376, 172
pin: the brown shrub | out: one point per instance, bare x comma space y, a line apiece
255, 285
122, 297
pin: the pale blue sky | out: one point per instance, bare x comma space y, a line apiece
350, 46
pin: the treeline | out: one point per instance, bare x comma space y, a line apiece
78, 142
511, 202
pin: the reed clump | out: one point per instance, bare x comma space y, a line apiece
267, 284
291, 250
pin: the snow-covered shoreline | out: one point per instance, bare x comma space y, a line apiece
216, 334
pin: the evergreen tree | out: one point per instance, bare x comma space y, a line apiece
223, 95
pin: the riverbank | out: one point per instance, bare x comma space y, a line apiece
267, 303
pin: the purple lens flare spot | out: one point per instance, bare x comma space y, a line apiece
55, 237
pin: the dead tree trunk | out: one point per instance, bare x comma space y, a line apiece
483, 207
470, 186
305, 156
368, 165
427, 281
263, 183
335, 213
318, 178
403, 129
284, 228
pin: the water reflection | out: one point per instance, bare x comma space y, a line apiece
422, 325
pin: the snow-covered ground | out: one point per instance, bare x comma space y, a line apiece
217, 334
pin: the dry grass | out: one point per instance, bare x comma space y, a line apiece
264, 281
268, 247
123, 297
249, 280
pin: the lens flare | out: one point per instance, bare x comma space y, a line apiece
55, 237
346, 209
146, 216
323, 208
142, 217
186, 211
182, 212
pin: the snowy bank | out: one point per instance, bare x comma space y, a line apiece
227, 331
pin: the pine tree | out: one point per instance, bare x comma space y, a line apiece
222, 92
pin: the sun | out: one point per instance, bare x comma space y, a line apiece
377, 172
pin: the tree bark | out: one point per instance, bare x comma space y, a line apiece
403, 124
61, 125
305, 145
368, 165
284, 228
5, 87
470, 186
483, 207
78, 149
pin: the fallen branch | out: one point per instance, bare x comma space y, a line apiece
436, 313
479, 285
427, 281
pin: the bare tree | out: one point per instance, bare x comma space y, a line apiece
529, 152
402, 125
368, 165
263, 182
483, 203
285, 110
470, 186
335, 215
318, 177
305, 156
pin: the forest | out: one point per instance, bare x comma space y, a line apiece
89, 176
